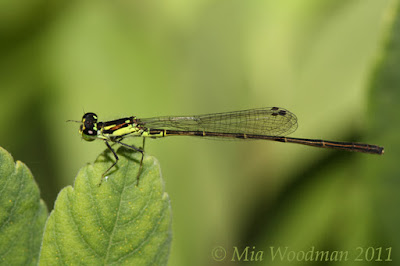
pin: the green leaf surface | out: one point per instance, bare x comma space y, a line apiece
22, 213
117, 223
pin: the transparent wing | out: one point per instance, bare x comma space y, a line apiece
272, 121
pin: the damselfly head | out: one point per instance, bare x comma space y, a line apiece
88, 128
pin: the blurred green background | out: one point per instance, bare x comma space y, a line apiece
316, 58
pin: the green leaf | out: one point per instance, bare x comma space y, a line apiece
22, 213
115, 223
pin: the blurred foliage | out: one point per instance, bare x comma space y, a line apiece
121, 58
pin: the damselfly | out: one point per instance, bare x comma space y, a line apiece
269, 123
